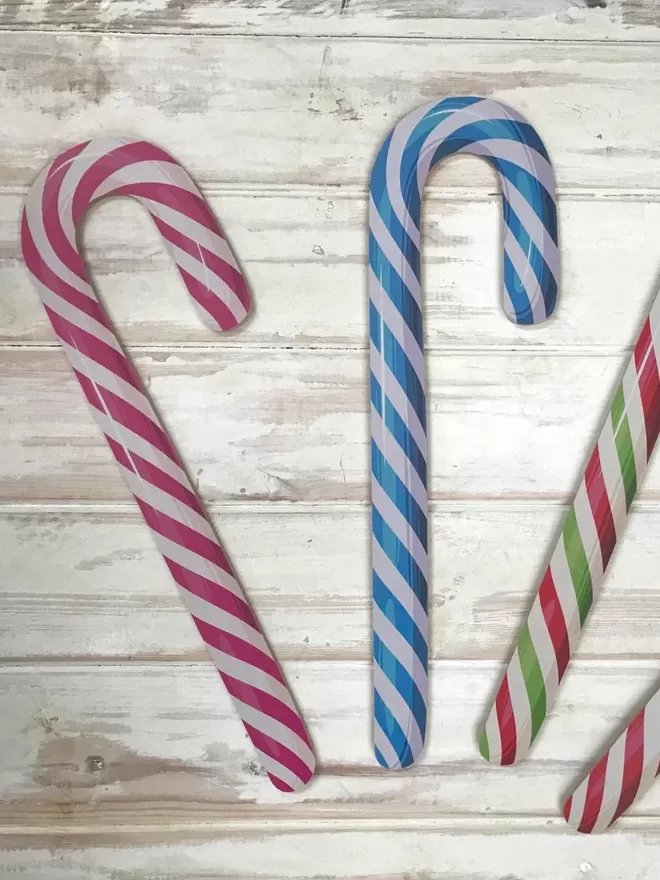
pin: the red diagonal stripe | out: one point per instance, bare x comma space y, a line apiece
213, 592
649, 385
633, 765
157, 477
182, 535
600, 506
109, 163
52, 219
126, 414
280, 753
555, 622
227, 643
506, 722
594, 798
266, 703
43, 273
214, 305
95, 349
215, 263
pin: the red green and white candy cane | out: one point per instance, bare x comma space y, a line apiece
578, 564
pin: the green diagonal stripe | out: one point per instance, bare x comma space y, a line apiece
531, 670
578, 565
624, 446
484, 748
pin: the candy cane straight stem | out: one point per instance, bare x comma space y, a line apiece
398, 402
54, 209
621, 776
577, 567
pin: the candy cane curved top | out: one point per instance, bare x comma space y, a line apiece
484, 128
54, 209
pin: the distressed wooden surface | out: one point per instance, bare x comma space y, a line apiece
278, 425
120, 756
386, 854
495, 19
111, 745
87, 582
313, 112
305, 257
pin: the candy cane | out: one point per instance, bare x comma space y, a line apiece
578, 564
622, 775
54, 209
398, 404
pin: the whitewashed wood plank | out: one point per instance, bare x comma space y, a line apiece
540, 19
305, 256
382, 854
86, 747
90, 583
310, 111
292, 425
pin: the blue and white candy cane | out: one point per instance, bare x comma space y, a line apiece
398, 402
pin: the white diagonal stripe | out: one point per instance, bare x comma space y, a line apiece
545, 652
611, 468
393, 319
612, 787
224, 620
398, 398
401, 648
398, 460
400, 589
393, 253
275, 730
197, 564
527, 277
635, 413
385, 747
520, 706
275, 768
250, 674
400, 709
577, 804
399, 525
590, 540
167, 504
561, 576
136, 445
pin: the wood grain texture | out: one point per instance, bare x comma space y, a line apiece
121, 758
497, 19
309, 111
305, 256
292, 425
384, 854
88, 583
159, 744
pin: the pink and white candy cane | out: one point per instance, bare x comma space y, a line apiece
54, 209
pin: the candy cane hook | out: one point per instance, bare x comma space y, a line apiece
577, 568
54, 209
484, 128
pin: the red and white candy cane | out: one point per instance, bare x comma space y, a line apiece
54, 209
623, 774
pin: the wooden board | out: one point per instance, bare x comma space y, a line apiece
311, 112
340, 852
503, 19
93, 747
305, 257
79, 583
